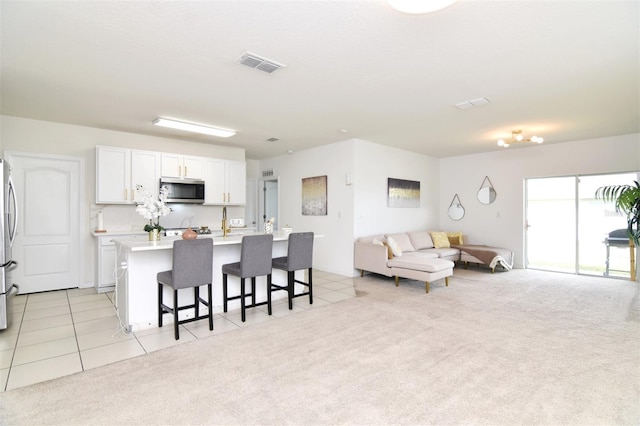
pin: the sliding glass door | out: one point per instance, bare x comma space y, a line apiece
551, 224
567, 229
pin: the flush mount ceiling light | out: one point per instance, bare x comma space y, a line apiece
419, 6
193, 127
516, 136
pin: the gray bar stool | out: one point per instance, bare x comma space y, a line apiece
299, 257
192, 267
255, 261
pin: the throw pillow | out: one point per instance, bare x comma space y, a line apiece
395, 248
440, 239
455, 238
403, 241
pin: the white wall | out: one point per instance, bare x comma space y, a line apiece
333, 251
361, 207
502, 223
25, 135
373, 165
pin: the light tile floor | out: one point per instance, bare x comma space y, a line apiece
62, 332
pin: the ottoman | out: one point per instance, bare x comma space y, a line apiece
422, 269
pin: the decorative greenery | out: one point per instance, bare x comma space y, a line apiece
153, 209
627, 202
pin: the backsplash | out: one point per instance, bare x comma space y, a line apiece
124, 217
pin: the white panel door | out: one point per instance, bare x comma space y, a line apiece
47, 245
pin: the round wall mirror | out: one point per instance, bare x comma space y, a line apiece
456, 211
486, 193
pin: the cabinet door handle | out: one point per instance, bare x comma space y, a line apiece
126, 194
179, 170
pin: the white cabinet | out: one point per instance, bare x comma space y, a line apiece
113, 175
106, 254
236, 178
182, 166
119, 170
225, 182
145, 171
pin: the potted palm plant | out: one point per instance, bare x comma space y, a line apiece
627, 202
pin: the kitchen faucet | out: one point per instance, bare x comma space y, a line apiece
225, 229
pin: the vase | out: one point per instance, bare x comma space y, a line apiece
189, 234
268, 228
154, 235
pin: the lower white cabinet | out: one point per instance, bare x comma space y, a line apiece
106, 253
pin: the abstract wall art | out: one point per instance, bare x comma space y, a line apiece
403, 193
314, 196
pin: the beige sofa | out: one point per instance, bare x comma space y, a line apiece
412, 255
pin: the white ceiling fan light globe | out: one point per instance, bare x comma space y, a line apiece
419, 6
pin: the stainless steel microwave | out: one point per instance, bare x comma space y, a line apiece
183, 190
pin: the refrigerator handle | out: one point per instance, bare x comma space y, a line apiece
12, 192
16, 287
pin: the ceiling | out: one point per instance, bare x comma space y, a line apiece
564, 70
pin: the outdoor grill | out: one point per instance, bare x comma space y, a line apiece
618, 238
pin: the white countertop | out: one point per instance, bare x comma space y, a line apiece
142, 243
117, 232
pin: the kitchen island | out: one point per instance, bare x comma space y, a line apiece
138, 261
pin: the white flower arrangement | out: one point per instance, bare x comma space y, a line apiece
153, 209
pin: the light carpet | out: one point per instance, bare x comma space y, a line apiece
517, 347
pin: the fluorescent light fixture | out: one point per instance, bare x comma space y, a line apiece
192, 127
419, 6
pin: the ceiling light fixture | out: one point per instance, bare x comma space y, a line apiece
419, 6
516, 136
193, 127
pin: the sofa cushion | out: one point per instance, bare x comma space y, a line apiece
455, 238
428, 254
403, 241
440, 239
444, 252
394, 246
421, 240
421, 264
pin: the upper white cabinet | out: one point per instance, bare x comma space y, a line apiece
236, 176
119, 170
113, 175
225, 182
182, 166
145, 171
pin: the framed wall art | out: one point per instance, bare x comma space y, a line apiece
403, 193
314, 196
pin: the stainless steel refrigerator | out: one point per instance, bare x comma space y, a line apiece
8, 227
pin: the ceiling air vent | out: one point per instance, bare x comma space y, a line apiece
273, 139
258, 62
